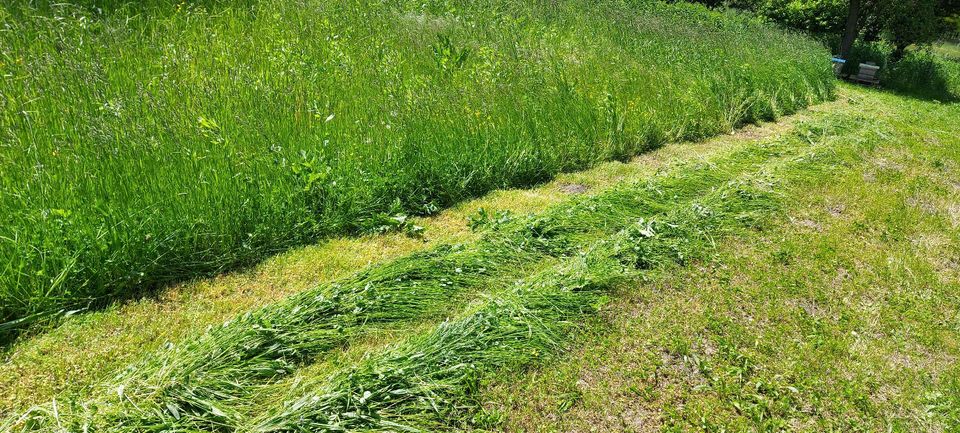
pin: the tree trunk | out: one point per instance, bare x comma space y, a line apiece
852, 30
899, 51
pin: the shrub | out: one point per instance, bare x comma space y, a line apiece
921, 73
926, 75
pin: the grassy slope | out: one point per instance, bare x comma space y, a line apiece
842, 317
772, 328
91, 346
132, 132
209, 381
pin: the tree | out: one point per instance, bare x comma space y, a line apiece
852, 28
909, 22
901, 22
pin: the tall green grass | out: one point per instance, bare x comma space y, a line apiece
926, 74
207, 382
142, 144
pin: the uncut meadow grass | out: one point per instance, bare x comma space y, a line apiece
207, 383
145, 144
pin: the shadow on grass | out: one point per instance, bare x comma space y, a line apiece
924, 75
921, 74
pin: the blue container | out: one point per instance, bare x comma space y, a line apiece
837, 65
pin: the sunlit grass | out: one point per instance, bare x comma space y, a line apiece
91, 346
145, 145
830, 319
948, 49
209, 381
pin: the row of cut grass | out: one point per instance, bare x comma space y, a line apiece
94, 347
147, 144
198, 384
432, 382
834, 317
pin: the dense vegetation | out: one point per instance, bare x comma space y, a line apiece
819, 17
583, 248
146, 143
921, 73
897, 35
737, 291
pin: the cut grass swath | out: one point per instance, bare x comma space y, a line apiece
198, 384
432, 381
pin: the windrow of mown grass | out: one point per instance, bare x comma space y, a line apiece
206, 383
432, 382
144, 144
829, 318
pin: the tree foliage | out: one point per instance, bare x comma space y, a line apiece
901, 22
908, 22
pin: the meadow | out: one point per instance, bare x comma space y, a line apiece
504, 300
147, 143
802, 275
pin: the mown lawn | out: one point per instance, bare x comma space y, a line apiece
840, 316
794, 276
91, 346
